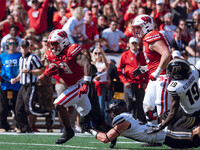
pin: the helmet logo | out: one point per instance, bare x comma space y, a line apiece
62, 34
146, 19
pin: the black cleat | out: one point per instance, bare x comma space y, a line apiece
113, 142
68, 134
151, 145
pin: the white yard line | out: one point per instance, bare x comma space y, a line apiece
119, 142
49, 145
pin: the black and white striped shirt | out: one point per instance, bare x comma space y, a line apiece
30, 62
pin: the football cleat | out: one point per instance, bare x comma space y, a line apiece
68, 134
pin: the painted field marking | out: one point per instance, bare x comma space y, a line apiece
50, 145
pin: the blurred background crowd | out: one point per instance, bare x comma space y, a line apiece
101, 27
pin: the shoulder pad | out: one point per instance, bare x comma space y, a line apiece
121, 118
171, 89
152, 37
74, 50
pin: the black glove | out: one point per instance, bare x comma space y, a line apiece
154, 129
138, 71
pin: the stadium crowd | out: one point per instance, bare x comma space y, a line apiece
100, 27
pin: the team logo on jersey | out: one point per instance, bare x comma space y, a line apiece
146, 19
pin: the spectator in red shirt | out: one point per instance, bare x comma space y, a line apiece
158, 13
72, 8
37, 16
5, 25
125, 4
95, 12
128, 31
59, 18
91, 31
133, 86
131, 13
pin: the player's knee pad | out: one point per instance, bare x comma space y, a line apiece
196, 140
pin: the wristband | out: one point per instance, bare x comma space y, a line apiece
157, 72
87, 78
94, 133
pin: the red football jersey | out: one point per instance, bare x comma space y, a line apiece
152, 57
70, 71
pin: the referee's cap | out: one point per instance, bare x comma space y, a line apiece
25, 43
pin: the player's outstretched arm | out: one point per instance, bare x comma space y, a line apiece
111, 134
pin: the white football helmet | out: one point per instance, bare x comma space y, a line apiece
142, 25
58, 40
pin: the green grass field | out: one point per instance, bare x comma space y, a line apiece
39, 141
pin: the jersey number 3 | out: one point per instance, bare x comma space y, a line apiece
193, 93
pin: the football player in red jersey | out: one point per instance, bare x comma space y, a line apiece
157, 54
67, 63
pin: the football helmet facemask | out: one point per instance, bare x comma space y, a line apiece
178, 69
142, 25
57, 41
116, 107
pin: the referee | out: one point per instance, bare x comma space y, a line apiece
30, 67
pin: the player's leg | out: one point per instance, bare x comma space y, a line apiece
162, 101
149, 103
68, 98
183, 138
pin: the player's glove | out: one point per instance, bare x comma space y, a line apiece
83, 90
51, 70
140, 70
154, 129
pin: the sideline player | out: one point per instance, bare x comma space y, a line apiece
157, 54
69, 64
125, 125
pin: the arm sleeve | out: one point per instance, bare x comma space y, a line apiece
24, 3
45, 5
56, 21
36, 62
